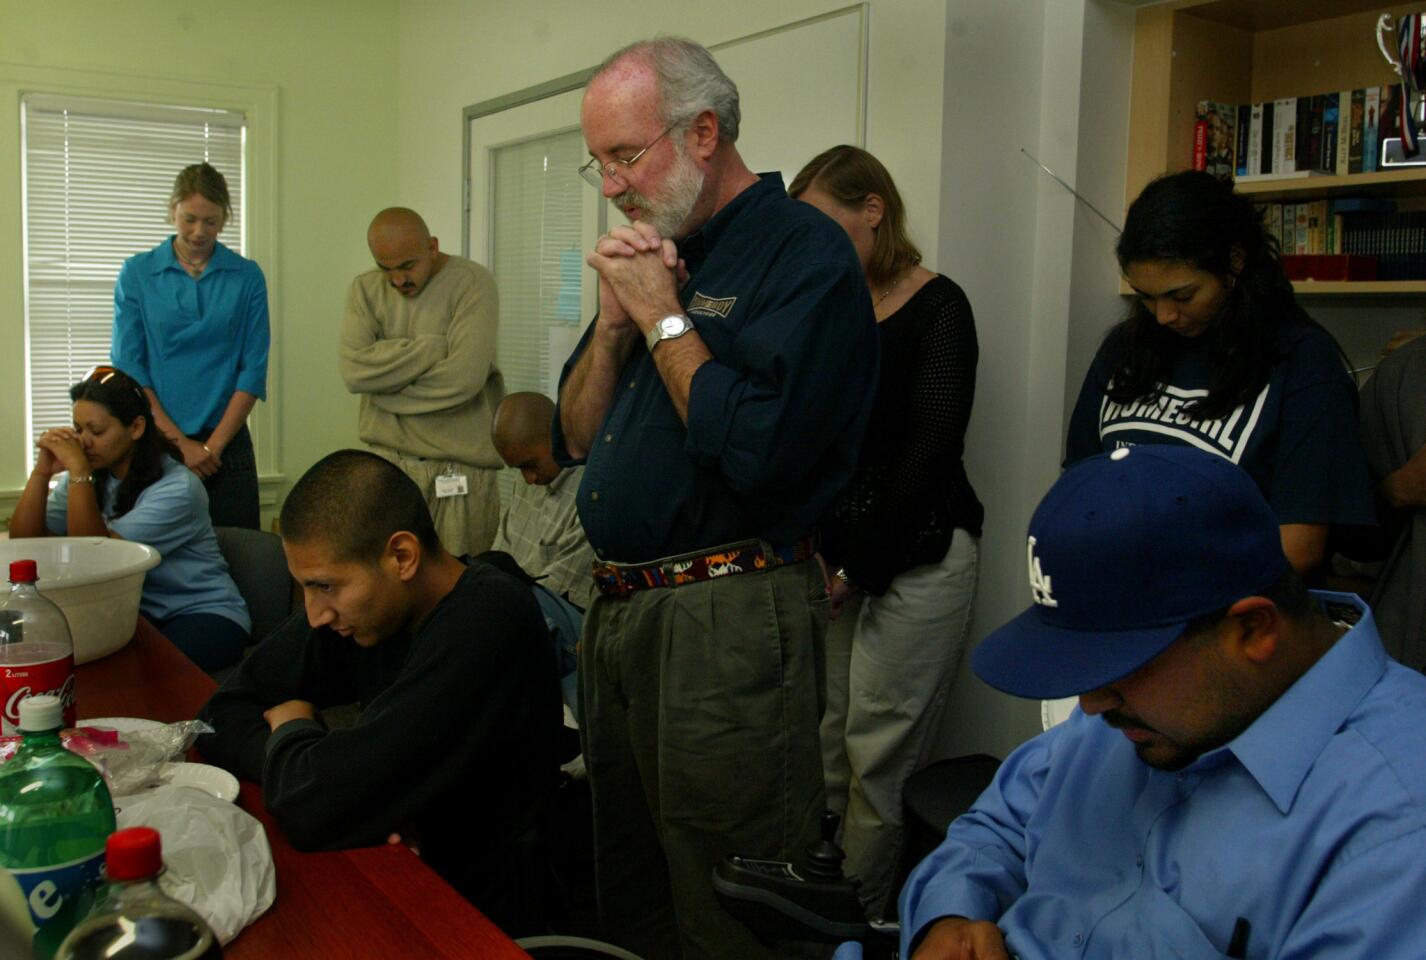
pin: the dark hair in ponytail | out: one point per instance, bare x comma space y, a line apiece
126, 401
1196, 218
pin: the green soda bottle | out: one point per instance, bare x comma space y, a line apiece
55, 814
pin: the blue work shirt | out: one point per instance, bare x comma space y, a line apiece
170, 515
1310, 825
775, 419
193, 342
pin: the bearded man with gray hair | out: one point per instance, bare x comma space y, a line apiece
717, 402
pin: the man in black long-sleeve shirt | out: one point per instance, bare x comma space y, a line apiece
456, 746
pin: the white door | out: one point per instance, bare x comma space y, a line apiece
532, 219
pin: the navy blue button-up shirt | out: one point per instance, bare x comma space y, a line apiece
775, 419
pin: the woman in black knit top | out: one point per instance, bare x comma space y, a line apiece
903, 535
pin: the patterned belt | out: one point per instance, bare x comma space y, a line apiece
618, 579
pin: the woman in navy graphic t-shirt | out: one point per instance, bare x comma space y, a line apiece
1217, 354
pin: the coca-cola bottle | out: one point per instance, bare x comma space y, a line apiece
36, 651
55, 814
135, 919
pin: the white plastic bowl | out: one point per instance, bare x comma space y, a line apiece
96, 581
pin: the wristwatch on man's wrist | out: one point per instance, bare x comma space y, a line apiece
670, 327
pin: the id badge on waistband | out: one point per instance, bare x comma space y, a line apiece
452, 485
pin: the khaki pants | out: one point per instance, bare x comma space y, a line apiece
890, 662
466, 524
701, 705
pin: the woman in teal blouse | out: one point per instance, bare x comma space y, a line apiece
191, 326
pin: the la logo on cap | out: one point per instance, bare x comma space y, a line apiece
1039, 583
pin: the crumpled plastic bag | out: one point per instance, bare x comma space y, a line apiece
135, 760
215, 853
129, 761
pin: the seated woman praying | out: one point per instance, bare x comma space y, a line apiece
120, 477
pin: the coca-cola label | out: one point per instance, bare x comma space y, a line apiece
20, 682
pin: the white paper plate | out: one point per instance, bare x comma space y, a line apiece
122, 724
215, 780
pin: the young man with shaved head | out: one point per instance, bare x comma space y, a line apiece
418, 345
540, 528
718, 402
457, 747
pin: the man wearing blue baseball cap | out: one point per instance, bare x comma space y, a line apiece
1246, 774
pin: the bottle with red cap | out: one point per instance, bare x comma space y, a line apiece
36, 649
136, 920
55, 813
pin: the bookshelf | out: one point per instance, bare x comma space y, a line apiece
1339, 287
1402, 182
1250, 51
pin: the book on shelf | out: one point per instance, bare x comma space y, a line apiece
1385, 242
1273, 218
1329, 132
1364, 205
1371, 107
1366, 226
1265, 165
1240, 139
1213, 138
1358, 114
1329, 267
1344, 130
1284, 135
1309, 140
1255, 140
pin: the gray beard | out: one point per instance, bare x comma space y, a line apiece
668, 213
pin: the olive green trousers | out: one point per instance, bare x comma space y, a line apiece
701, 710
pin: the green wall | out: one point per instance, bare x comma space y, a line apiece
321, 78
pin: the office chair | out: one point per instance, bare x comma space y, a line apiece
571, 948
259, 568
816, 901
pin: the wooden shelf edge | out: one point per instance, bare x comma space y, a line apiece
1356, 287
1308, 288
1334, 184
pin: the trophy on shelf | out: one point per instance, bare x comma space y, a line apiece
1408, 38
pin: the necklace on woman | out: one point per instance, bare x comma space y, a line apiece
889, 287
195, 264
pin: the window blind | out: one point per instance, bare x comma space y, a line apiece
97, 176
537, 204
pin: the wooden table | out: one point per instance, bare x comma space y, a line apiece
374, 902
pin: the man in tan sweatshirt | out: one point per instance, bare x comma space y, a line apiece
418, 345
